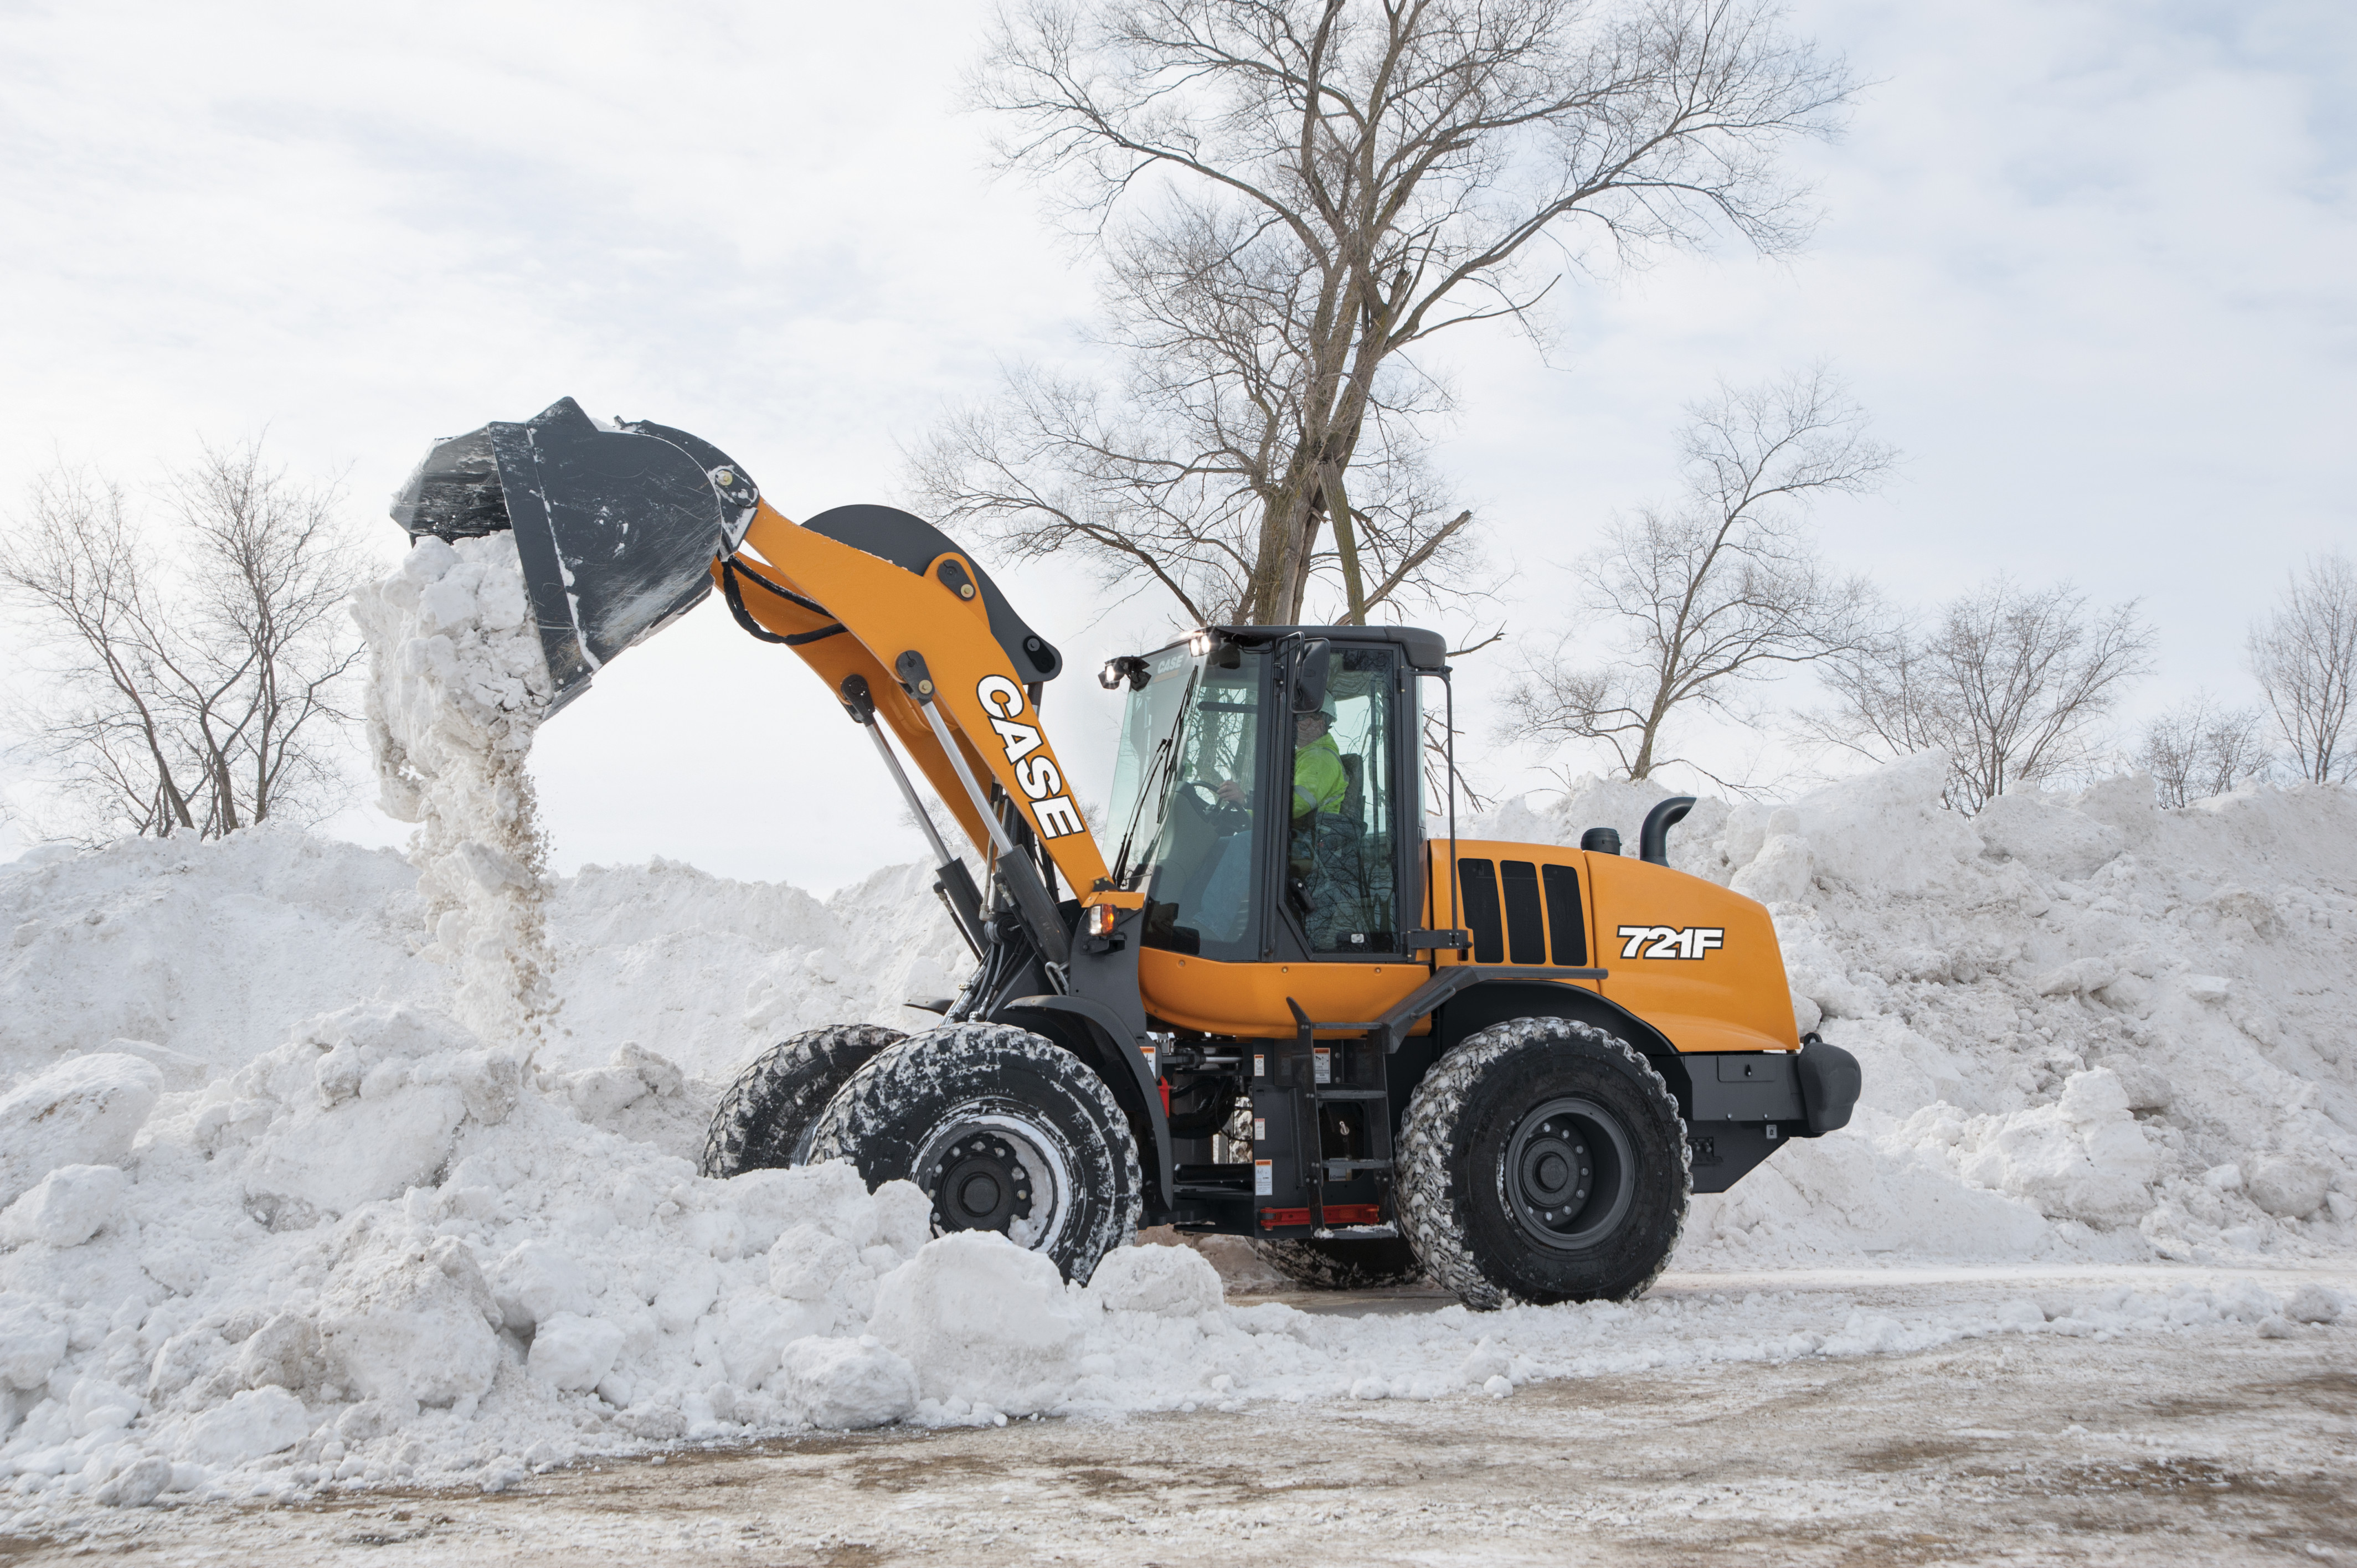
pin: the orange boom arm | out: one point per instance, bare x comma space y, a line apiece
959, 671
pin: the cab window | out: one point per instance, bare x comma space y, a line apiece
1341, 865
1185, 793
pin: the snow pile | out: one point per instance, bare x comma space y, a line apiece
457, 685
284, 1203
193, 955
196, 955
2090, 1028
707, 971
242, 1295
87, 1111
232, 1293
379, 1240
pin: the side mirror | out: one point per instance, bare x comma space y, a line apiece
1312, 668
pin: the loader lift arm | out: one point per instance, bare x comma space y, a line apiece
919, 642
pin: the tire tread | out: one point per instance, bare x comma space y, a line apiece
907, 1072
776, 1097
1429, 1214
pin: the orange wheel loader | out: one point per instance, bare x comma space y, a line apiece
1277, 998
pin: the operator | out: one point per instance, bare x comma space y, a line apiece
1318, 781
1320, 788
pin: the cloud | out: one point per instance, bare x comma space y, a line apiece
2087, 264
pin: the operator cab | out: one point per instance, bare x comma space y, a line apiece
1267, 793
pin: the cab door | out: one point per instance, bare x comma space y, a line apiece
1340, 882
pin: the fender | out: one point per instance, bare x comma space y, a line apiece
1139, 1091
1494, 1002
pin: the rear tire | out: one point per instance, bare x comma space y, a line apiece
766, 1113
1004, 1131
1543, 1160
1315, 1263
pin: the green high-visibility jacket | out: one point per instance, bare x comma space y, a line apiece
1318, 781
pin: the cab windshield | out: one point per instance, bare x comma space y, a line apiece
1183, 782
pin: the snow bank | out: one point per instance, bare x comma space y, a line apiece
194, 953
280, 1208
2090, 1028
493, 1283
193, 956
705, 971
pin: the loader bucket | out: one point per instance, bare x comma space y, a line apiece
616, 525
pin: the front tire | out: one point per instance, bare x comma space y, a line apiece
1004, 1131
763, 1119
1543, 1160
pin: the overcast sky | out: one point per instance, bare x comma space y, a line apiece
2091, 268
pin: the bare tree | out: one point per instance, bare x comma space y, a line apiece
2305, 655
2198, 749
72, 561
1721, 590
2015, 684
273, 567
1291, 197
193, 678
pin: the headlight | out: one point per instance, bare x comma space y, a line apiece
1110, 676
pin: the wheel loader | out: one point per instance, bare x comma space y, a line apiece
1269, 991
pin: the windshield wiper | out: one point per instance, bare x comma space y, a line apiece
1155, 783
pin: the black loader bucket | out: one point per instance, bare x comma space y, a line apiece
616, 525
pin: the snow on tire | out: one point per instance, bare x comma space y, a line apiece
1340, 1263
1004, 1131
1543, 1160
763, 1118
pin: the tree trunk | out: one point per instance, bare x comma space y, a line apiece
1346, 543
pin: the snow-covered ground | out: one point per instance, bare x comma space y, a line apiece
2201, 1444
320, 1167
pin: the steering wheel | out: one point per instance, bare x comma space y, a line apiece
1203, 797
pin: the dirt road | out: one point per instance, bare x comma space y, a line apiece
2214, 1445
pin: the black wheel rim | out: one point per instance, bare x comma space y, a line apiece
1570, 1174
979, 1183
988, 1170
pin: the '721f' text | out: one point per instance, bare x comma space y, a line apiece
1669, 941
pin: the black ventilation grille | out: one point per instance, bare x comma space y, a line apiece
1525, 936
1478, 881
1566, 922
